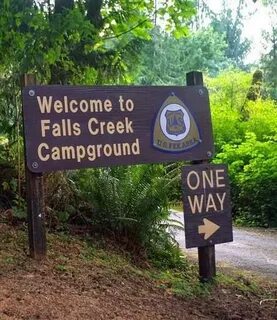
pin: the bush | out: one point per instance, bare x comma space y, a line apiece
253, 174
262, 119
229, 89
227, 96
11, 174
61, 198
245, 137
130, 202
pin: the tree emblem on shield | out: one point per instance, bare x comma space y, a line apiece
175, 122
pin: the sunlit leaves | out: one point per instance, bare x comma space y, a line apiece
40, 39
248, 146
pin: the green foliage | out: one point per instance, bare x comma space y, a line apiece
80, 41
229, 88
183, 282
132, 204
248, 146
70, 42
3, 148
227, 96
253, 172
173, 173
165, 60
239, 282
269, 59
19, 208
229, 23
10, 173
61, 198
10, 107
129, 201
164, 251
245, 134
228, 101
262, 119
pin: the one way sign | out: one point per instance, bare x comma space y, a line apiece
207, 205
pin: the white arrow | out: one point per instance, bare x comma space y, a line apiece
209, 228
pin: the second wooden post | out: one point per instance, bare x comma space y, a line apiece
206, 255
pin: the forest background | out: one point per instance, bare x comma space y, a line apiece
145, 43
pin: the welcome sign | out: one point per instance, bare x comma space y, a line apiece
71, 127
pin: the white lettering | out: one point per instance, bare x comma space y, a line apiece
197, 180
221, 200
195, 204
45, 105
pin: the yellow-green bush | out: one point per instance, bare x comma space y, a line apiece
253, 173
245, 137
227, 97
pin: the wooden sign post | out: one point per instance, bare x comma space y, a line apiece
35, 199
207, 212
206, 255
200, 231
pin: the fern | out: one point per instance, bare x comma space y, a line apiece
130, 201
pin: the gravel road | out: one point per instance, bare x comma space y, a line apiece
252, 249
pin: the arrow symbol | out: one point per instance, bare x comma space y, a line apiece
209, 228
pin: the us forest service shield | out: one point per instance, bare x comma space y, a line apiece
175, 129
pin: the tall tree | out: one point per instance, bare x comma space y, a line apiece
166, 59
230, 24
269, 62
269, 59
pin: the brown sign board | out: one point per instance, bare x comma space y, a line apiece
72, 127
207, 205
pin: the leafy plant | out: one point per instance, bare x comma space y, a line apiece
129, 201
253, 172
61, 198
19, 208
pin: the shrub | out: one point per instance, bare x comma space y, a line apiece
245, 137
253, 173
61, 198
262, 119
227, 96
229, 89
131, 201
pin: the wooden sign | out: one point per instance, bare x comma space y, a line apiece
71, 127
207, 205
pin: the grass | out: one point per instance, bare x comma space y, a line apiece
238, 281
182, 284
